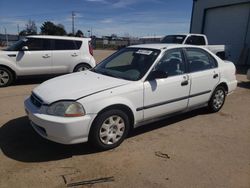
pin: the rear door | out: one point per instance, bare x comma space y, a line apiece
204, 75
37, 59
66, 55
167, 95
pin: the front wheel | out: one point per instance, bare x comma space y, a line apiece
109, 129
6, 77
217, 100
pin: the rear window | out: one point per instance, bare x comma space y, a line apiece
173, 39
196, 40
67, 44
78, 44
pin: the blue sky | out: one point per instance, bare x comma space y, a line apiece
105, 17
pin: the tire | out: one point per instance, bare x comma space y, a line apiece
217, 99
82, 67
6, 77
109, 129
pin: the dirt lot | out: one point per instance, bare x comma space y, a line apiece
196, 149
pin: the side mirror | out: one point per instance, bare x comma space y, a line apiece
157, 74
25, 48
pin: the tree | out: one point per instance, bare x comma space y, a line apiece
30, 29
49, 28
79, 33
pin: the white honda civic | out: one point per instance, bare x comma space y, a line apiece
134, 86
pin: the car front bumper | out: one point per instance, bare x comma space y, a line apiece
248, 74
64, 130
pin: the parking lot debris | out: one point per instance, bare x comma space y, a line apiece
162, 155
92, 182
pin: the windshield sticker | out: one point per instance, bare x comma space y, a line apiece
179, 37
144, 52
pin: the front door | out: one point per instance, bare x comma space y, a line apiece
35, 60
167, 95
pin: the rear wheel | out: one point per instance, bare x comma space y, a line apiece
6, 77
217, 100
81, 67
109, 129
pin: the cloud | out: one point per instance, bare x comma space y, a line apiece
13, 21
115, 3
108, 20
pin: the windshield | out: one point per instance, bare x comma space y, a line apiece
129, 63
17, 46
173, 39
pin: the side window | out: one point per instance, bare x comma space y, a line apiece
64, 45
36, 44
78, 44
172, 63
199, 60
196, 40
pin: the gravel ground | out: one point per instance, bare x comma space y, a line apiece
196, 149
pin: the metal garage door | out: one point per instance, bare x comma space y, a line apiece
228, 25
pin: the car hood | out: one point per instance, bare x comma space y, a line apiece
76, 85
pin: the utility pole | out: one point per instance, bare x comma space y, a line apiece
73, 22
6, 36
18, 31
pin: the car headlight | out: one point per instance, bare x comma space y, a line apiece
66, 109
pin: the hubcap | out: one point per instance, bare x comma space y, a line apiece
218, 99
4, 77
112, 130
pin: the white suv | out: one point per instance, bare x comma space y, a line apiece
44, 55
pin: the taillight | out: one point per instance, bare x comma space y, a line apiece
90, 49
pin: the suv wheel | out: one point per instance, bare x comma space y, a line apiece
6, 77
81, 67
217, 100
109, 129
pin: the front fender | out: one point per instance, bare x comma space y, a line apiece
8, 63
95, 107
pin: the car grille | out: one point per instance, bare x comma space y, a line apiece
36, 101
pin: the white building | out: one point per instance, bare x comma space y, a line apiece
224, 22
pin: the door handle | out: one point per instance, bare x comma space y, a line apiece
184, 83
215, 75
46, 56
74, 55
12, 55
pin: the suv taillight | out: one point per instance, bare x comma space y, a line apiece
90, 49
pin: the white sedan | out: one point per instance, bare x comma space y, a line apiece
132, 87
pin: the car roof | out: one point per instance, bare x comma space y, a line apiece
57, 37
186, 34
161, 46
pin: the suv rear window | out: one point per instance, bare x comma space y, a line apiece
66, 44
78, 44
